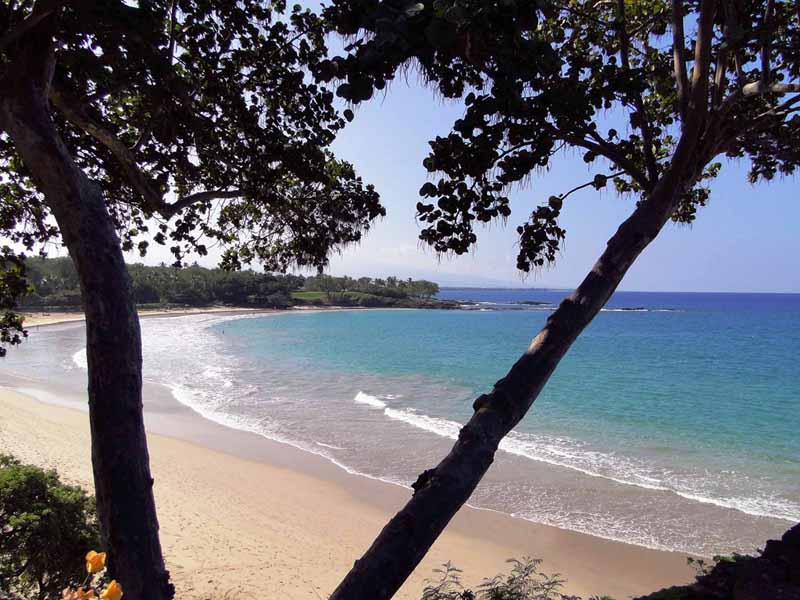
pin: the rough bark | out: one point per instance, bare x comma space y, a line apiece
440, 492
120, 459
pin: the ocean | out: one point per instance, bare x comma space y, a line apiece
672, 423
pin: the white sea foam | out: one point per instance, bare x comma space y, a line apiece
79, 359
331, 446
372, 401
571, 454
201, 392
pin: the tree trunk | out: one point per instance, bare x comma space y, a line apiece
440, 492
120, 459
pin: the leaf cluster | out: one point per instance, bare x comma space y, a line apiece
13, 285
598, 78
201, 124
46, 527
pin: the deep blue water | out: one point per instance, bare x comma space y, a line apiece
672, 422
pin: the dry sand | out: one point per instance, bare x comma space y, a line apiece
241, 513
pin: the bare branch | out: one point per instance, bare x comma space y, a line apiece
781, 110
590, 183
678, 58
720, 78
759, 89
702, 57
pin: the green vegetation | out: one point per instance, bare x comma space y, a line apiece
366, 291
523, 582
772, 573
54, 283
46, 528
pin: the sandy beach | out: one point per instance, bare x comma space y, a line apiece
39, 318
240, 512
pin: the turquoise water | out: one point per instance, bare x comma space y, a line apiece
680, 400
672, 422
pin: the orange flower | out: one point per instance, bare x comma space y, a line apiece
112, 592
95, 561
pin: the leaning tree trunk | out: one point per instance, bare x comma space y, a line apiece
120, 459
440, 492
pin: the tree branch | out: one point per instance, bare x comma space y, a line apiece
678, 58
74, 112
153, 198
590, 183
643, 121
766, 39
702, 58
609, 151
172, 40
759, 89
168, 210
24, 27
720, 78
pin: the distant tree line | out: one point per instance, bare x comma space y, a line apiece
54, 282
390, 287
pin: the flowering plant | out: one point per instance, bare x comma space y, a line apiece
95, 565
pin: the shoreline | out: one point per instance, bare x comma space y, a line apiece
60, 317
478, 541
46, 319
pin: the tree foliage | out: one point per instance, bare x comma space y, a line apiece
54, 283
392, 287
596, 77
46, 528
13, 285
200, 123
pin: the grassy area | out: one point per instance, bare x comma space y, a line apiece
314, 296
308, 295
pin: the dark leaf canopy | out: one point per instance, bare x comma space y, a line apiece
13, 285
613, 80
201, 122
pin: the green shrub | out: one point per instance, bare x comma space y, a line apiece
46, 528
524, 582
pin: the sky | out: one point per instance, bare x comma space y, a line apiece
746, 240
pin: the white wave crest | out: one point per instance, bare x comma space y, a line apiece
362, 398
569, 454
79, 359
331, 446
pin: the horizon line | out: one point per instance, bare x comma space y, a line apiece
560, 289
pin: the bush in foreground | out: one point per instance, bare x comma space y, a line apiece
46, 528
523, 582
773, 574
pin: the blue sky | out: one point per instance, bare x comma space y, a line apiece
745, 240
